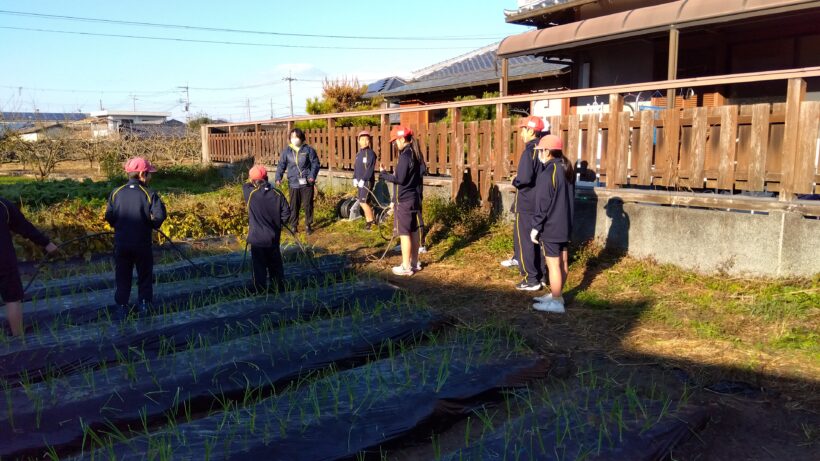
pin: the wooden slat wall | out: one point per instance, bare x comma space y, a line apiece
725, 147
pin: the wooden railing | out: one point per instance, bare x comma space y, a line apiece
760, 147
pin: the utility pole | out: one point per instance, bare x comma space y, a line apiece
101, 106
186, 101
290, 80
134, 97
271, 108
248, 102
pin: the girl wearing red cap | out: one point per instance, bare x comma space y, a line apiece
406, 198
552, 222
268, 211
134, 211
364, 176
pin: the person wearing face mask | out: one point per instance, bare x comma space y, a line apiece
302, 165
364, 176
406, 199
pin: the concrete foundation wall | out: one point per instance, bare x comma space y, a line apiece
773, 244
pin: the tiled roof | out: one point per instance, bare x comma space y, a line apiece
479, 67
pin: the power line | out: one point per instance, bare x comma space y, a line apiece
66, 90
142, 93
244, 31
221, 42
258, 85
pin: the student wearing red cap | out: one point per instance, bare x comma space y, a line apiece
268, 211
11, 287
364, 176
531, 264
134, 211
551, 226
406, 198
302, 165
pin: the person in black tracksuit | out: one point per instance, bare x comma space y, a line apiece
551, 225
134, 211
268, 211
302, 165
531, 263
364, 176
11, 287
406, 199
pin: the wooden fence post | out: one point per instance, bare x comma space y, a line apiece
331, 144
456, 152
204, 133
616, 106
257, 143
384, 149
795, 95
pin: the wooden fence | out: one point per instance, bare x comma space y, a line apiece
756, 148
725, 148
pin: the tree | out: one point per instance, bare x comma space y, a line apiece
342, 95
44, 154
476, 113
201, 119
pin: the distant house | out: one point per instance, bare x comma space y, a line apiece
379, 87
17, 121
167, 129
107, 123
33, 126
472, 74
43, 130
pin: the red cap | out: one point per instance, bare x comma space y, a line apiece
139, 165
364, 133
257, 173
550, 142
399, 131
533, 122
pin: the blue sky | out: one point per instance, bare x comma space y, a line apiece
87, 68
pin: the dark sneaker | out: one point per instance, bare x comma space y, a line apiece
528, 286
369, 226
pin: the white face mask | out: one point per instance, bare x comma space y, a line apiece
296, 141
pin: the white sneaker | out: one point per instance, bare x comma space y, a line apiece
512, 262
417, 267
553, 305
400, 270
422, 250
543, 298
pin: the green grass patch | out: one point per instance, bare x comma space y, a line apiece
500, 241
801, 339
192, 179
707, 330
